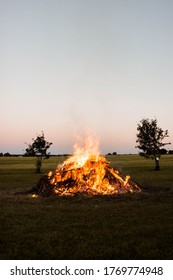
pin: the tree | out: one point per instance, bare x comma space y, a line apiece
38, 149
149, 139
7, 154
163, 152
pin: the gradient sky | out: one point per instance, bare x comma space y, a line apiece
68, 66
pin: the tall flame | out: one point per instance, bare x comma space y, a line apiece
85, 149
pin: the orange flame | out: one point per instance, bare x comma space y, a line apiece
86, 171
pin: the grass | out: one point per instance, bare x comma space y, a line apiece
132, 226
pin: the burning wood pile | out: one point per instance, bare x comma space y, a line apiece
85, 172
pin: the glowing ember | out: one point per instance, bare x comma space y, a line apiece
34, 195
86, 172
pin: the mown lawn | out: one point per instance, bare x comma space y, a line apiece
132, 226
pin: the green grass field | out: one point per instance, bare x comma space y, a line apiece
132, 226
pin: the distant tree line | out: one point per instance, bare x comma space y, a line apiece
112, 154
162, 152
9, 155
23, 155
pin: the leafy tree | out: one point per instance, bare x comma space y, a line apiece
149, 139
7, 155
163, 152
38, 149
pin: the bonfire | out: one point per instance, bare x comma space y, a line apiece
86, 172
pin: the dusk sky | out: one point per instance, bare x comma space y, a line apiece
69, 66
